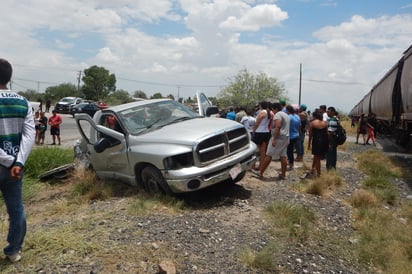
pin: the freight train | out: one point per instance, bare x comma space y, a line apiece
391, 100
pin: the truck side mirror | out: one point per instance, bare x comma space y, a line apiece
212, 111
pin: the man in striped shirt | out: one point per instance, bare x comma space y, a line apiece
17, 134
331, 155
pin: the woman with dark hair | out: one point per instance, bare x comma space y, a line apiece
318, 140
261, 129
362, 128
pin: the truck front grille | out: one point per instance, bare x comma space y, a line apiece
222, 145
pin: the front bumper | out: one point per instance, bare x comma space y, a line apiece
195, 178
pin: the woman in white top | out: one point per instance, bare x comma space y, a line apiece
262, 129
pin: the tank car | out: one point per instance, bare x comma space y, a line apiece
391, 100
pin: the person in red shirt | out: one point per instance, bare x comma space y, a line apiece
54, 122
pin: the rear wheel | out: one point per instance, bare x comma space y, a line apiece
153, 181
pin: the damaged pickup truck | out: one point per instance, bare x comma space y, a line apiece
164, 146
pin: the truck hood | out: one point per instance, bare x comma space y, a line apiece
188, 132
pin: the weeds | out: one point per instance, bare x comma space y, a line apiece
295, 221
325, 184
385, 236
264, 259
43, 159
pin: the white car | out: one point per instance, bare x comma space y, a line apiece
64, 105
164, 146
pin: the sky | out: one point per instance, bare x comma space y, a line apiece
322, 51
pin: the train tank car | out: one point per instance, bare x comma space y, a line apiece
391, 100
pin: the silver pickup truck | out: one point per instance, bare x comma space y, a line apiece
164, 146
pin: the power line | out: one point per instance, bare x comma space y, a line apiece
19, 85
335, 82
168, 84
34, 81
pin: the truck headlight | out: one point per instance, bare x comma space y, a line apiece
179, 161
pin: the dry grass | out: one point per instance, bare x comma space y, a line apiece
291, 221
364, 199
264, 259
67, 229
384, 233
325, 184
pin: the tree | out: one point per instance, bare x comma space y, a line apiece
246, 89
31, 95
157, 95
98, 83
170, 96
55, 93
139, 94
214, 101
119, 97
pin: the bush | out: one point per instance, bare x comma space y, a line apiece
44, 159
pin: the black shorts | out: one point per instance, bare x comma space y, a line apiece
55, 131
261, 137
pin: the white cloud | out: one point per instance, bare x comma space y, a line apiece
381, 31
344, 59
256, 18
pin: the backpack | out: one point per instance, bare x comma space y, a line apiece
339, 135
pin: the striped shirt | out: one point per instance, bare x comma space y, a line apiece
17, 130
332, 123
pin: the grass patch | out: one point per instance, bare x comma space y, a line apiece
291, 220
63, 240
384, 234
159, 203
264, 259
45, 158
380, 170
364, 199
325, 184
385, 240
376, 164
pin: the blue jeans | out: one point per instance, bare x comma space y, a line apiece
12, 194
300, 150
290, 149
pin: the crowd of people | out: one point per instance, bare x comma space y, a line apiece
41, 122
279, 130
367, 127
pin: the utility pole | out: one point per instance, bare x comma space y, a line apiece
78, 80
300, 83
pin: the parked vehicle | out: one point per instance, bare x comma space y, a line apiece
64, 105
102, 105
391, 100
89, 108
163, 146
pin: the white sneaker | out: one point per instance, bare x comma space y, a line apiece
15, 257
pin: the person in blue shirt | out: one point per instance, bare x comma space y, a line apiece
294, 133
231, 114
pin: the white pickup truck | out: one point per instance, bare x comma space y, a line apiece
164, 146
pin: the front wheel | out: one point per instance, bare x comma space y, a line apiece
153, 181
